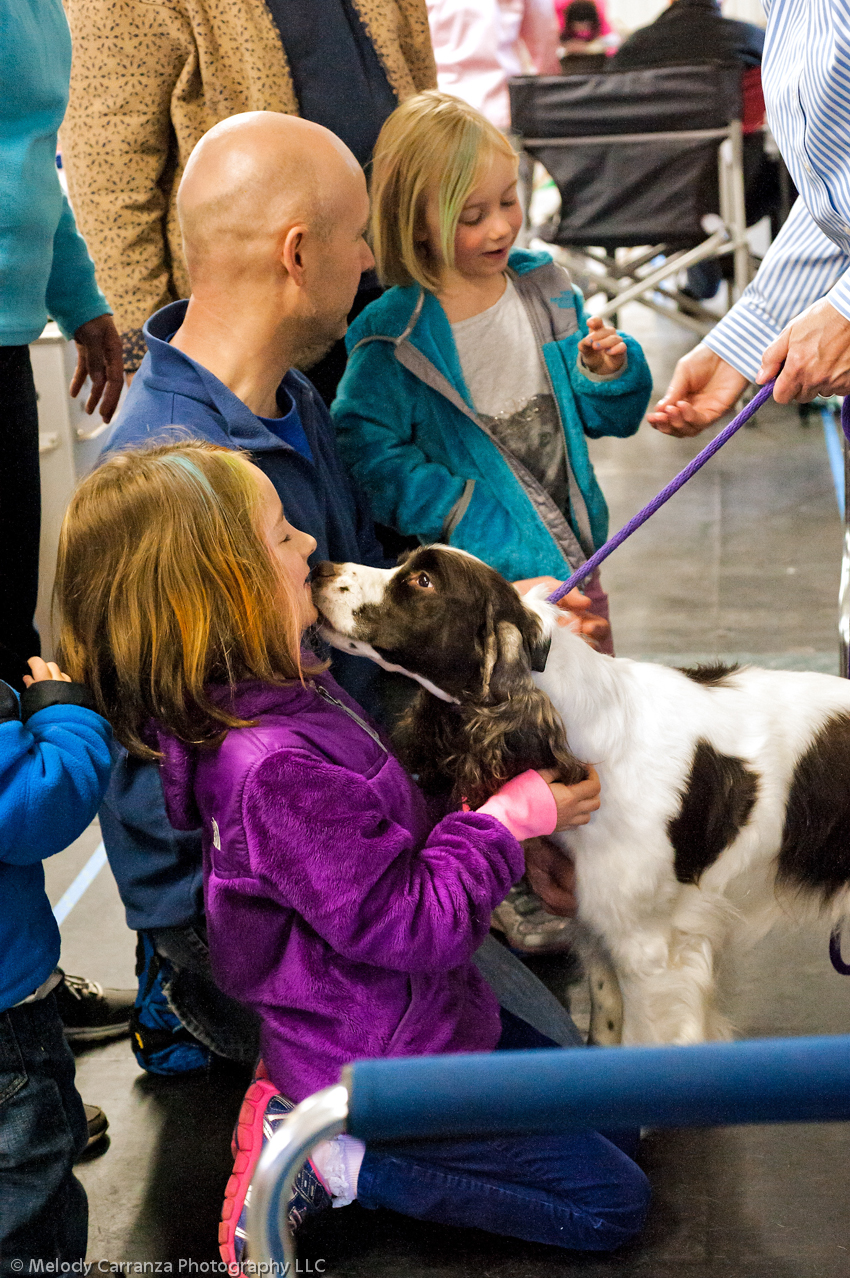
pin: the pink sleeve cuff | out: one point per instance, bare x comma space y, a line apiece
525, 805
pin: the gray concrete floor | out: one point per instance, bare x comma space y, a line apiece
742, 564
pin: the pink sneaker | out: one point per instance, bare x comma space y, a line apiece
263, 1109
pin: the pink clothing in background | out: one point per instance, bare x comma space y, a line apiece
477, 46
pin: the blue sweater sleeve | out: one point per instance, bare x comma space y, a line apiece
54, 770
72, 295
611, 407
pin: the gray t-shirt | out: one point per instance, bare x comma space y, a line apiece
504, 373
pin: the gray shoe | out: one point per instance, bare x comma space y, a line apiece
528, 925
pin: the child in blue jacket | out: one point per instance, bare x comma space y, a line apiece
472, 385
54, 768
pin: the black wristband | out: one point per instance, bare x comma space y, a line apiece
9, 708
54, 692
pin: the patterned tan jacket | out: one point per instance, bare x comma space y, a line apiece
149, 77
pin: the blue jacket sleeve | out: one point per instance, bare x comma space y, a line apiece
54, 770
72, 294
611, 407
374, 418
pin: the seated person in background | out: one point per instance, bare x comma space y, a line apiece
273, 210
693, 32
491, 378
340, 909
581, 31
54, 763
606, 32
687, 33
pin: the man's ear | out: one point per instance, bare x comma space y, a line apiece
292, 253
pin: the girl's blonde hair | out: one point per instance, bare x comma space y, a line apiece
432, 143
165, 585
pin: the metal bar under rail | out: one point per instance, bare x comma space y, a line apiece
678, 135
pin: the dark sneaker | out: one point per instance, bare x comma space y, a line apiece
97, 1125
263, 1109
528, 926
89, 1012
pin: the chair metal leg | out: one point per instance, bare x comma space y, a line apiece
320, 1117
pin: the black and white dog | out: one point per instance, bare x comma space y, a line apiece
725, 792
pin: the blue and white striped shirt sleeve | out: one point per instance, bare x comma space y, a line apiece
806, 80
801, 265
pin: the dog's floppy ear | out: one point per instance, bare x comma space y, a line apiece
511, 725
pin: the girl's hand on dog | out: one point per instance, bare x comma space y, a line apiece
574, 606
576, 804
603, 350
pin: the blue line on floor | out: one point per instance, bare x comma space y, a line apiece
835, 453
84, 880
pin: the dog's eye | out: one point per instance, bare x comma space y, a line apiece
421, 580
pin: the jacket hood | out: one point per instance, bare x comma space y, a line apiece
167, 369
247, 700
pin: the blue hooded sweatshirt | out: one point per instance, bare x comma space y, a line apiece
407, 428
158, 869
54, 766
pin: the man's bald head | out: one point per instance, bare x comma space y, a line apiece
252, 175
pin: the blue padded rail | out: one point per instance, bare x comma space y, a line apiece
791, 1080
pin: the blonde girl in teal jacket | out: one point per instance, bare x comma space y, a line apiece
472, 386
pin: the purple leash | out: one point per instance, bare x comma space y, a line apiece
666, 493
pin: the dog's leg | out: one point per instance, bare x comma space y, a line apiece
672, 1000
606, 1002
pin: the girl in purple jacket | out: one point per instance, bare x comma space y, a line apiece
337, 907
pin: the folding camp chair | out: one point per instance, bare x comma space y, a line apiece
650, 162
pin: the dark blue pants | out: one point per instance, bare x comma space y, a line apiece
580, 1191
43, 1208
20, 510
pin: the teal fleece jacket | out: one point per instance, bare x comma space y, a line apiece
45, 268
408, 432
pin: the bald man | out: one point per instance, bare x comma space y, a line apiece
273, 210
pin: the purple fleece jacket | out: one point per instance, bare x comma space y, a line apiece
335, 907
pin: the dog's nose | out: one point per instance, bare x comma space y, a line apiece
325, 571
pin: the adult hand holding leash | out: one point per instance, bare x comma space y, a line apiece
815, 351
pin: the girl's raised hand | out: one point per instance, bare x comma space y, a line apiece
44, 670
603, 350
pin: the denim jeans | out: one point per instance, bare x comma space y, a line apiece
219, 1022
43, 1207
580, 1191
